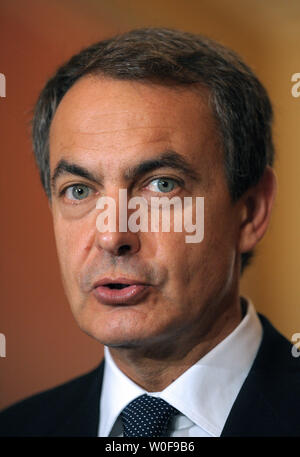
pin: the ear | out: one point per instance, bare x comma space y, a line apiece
256, 206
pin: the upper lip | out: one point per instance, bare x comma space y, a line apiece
120, 280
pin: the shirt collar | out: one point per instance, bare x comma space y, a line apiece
204, 393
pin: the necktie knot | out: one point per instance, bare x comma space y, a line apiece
147, 416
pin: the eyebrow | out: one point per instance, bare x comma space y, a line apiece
64, 167
169, 159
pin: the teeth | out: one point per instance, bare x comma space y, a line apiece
117, 286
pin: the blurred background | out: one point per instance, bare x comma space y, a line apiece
44, 346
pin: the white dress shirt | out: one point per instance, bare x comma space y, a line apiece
204, 394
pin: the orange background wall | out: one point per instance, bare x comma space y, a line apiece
43, 344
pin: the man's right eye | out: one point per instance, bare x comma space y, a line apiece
77, 192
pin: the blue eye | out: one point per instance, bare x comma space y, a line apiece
77, 192
164, 184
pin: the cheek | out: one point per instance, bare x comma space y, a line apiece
71, 241
197, 268
179, 258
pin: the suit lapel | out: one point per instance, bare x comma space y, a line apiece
84, 420
252, 414
263, 406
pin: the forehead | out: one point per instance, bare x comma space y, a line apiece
102, 117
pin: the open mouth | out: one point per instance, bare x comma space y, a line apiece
116, 293
116, 286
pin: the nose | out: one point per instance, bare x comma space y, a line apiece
118, 243
115, 237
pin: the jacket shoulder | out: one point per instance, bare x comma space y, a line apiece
46, 412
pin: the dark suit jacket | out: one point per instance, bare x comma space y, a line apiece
267, 405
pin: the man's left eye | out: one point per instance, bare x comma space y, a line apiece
163, 184
77, 192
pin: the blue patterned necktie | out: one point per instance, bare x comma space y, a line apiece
147, 416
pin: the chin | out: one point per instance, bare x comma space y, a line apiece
125, 327
129, 338
119, 341
109, 331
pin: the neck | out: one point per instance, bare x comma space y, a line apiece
154, 366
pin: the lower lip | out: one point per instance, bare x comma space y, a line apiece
128, 295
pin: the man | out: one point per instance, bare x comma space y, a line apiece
157, 112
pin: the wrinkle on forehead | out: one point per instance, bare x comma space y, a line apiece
96, 142
118, 130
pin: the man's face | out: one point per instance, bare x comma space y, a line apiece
108, 127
